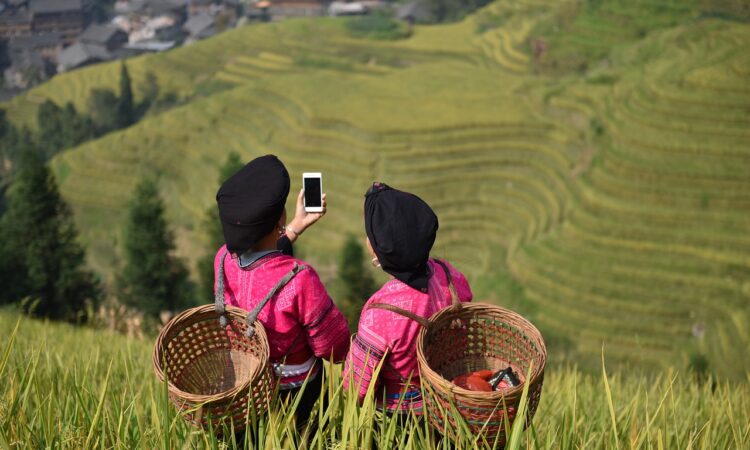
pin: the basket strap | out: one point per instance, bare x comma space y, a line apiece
454, 295
419, 319
219, 291
253, 315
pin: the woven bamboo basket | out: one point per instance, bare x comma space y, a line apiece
216, 375
473, 336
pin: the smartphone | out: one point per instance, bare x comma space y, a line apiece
313, 185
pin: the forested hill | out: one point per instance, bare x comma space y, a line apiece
589, 161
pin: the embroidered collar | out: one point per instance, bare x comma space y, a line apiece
250, 257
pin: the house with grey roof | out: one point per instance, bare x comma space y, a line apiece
27, 68
151, 7
107, 36
15, 21
47, 45
80, 54
58, 16
416, 11
200, 27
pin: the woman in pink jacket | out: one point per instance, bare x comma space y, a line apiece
256, 271
401, 230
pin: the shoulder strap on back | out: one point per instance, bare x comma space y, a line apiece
454, 295
419, 319
219, 291
253, 315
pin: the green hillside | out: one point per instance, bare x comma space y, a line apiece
66, 387
601, 187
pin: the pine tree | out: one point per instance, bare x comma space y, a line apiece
39, 245
103, 106
214, 233
13, 285
125, 106
8, 139
50, 134
153, 280
357, 284
61, 128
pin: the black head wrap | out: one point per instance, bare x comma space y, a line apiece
401, 228
251, 202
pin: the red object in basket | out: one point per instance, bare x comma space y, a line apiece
503, 384
483, 374
472, 382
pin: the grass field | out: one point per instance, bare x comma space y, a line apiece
607, 198
75, 388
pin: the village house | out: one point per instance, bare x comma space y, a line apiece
96, 44
28, 69
15, 20
200, 7
281, 9
108, 37
258, 11
151, 20
58, 16
416, 11
150, 8
339, 9
48, 45
80, 54
33, 59
200, 27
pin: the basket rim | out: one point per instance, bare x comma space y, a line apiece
199, 313
431, 376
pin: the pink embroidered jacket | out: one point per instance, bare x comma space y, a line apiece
301, 321
387, 335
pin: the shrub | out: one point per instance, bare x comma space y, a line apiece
377, 26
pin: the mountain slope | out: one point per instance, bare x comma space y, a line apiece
608, 201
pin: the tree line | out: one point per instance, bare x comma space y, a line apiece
43, 266
60, 127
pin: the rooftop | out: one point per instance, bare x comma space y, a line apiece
416, 9
36, 40
79, 53
199, 23
151, 6
98, 34
10, 17
27, 59
54, 6
151, 46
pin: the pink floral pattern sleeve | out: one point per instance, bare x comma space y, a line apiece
365, 354
326, 329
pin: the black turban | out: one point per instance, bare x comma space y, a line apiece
401, 228
251, 202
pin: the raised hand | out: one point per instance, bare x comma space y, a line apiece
303, 219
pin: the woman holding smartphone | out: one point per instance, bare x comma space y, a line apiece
256, 271
401, 230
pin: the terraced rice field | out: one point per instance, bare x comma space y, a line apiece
657, 228
611, 207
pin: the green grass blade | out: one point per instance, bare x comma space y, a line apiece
520, 421
97, 415
610, 403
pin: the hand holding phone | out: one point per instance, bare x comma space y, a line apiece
312, 183
306, 212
